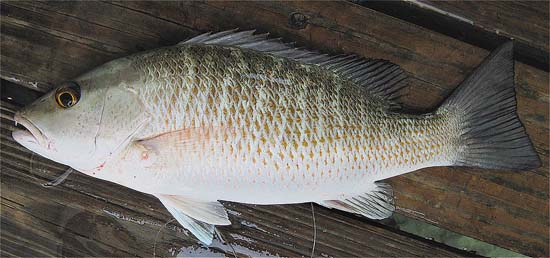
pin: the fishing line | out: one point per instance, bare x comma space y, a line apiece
59, 179
219, 234
31, 170
314, 230
156, 237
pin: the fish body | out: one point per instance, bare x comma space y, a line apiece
240, 122
238, 117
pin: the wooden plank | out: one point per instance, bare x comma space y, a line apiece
486, 25
523, 21
481, 204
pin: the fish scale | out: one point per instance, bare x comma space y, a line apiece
276, 121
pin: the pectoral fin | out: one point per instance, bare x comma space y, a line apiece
207, 212
203, 231
376, 204
189, 140
197, 217
190, 143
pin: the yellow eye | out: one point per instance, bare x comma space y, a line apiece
67, 97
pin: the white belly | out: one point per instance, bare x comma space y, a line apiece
242, 181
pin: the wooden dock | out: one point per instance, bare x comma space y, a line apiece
437, 43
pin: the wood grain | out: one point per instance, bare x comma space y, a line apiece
525, 21
59, 40
487, 25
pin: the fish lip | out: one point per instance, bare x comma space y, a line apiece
31, 129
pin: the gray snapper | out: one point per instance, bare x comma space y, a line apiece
239, 117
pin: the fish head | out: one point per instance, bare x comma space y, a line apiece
83, 122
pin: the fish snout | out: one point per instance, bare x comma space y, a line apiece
30, 133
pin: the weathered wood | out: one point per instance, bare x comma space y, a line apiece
523, 21
59, 40
486, 24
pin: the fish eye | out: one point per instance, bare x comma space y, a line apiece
68, 95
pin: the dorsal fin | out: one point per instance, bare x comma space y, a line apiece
380, 77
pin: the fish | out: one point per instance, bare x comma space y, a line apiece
238, 116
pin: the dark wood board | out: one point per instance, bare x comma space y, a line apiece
44, 43
486, 24
525, 21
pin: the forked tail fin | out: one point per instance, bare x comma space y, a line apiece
484, 109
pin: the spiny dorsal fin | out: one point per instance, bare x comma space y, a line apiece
376, 204
380, 77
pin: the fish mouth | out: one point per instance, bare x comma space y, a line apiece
31, 133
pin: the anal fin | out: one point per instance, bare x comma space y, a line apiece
376, 204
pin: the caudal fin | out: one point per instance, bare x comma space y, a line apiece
484, 108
